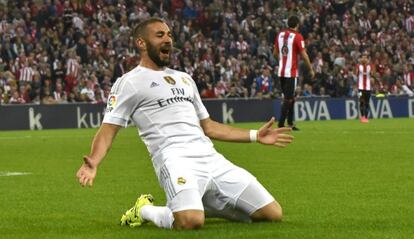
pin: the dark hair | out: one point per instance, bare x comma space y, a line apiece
293, 21
140, 29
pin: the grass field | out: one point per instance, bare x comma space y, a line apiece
339, 179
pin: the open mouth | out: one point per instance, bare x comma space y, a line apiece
165, 50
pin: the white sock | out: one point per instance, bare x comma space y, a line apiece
160, 216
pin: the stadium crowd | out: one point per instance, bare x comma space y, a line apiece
55, 51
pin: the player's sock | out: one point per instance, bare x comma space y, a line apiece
366, 111
290, 112
283, 113
160, 216
362, 110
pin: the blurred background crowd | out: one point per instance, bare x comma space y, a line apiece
55, 51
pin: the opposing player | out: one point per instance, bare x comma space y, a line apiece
175, 126
288, 44
364, 72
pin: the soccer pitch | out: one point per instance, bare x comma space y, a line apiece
339, 179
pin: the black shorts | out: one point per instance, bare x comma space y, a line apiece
288, 85
364, 93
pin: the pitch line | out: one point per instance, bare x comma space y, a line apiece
43, 137
9, 174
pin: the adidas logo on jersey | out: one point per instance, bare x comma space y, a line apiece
153, 84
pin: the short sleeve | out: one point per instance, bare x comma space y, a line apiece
300, 43
201, 110
122, 101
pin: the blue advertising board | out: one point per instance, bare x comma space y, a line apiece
348, 108
36, 117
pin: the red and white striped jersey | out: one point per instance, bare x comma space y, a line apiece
72, 67
409, 79
26, 74
409, 24
363, 72
289, 43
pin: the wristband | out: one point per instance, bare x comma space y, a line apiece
253, 135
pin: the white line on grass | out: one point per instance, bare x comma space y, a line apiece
15, 137
44, 137
8, 174
375, 132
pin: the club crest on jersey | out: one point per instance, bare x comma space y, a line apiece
285, 50
169, 80
181, 181
111, 103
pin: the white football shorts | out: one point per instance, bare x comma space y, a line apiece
210, 183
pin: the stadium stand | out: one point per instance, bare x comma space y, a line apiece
56, 51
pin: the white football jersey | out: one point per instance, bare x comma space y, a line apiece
164, 105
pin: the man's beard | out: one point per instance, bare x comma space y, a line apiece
154, 55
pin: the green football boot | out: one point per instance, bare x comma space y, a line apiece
132, 217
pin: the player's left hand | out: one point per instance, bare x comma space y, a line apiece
87, 172
274, 136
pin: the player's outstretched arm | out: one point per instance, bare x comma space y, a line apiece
265, 135
100, 146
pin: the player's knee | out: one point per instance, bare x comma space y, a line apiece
189, 222
272, 212
275, 215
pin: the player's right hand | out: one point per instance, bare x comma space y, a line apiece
274, 136
312, 74
87, 172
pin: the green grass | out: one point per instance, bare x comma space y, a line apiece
339, 179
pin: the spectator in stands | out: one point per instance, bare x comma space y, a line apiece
87, 93
88, 9
220, 89
189, 12
99, 95
47, 98
322, 92
72, 71
74, 96
233, 92
67, 14
16, 98
407, 83
264, 84
208, 92
59, 95
26, 73
253, 90
24, 92
307, 90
